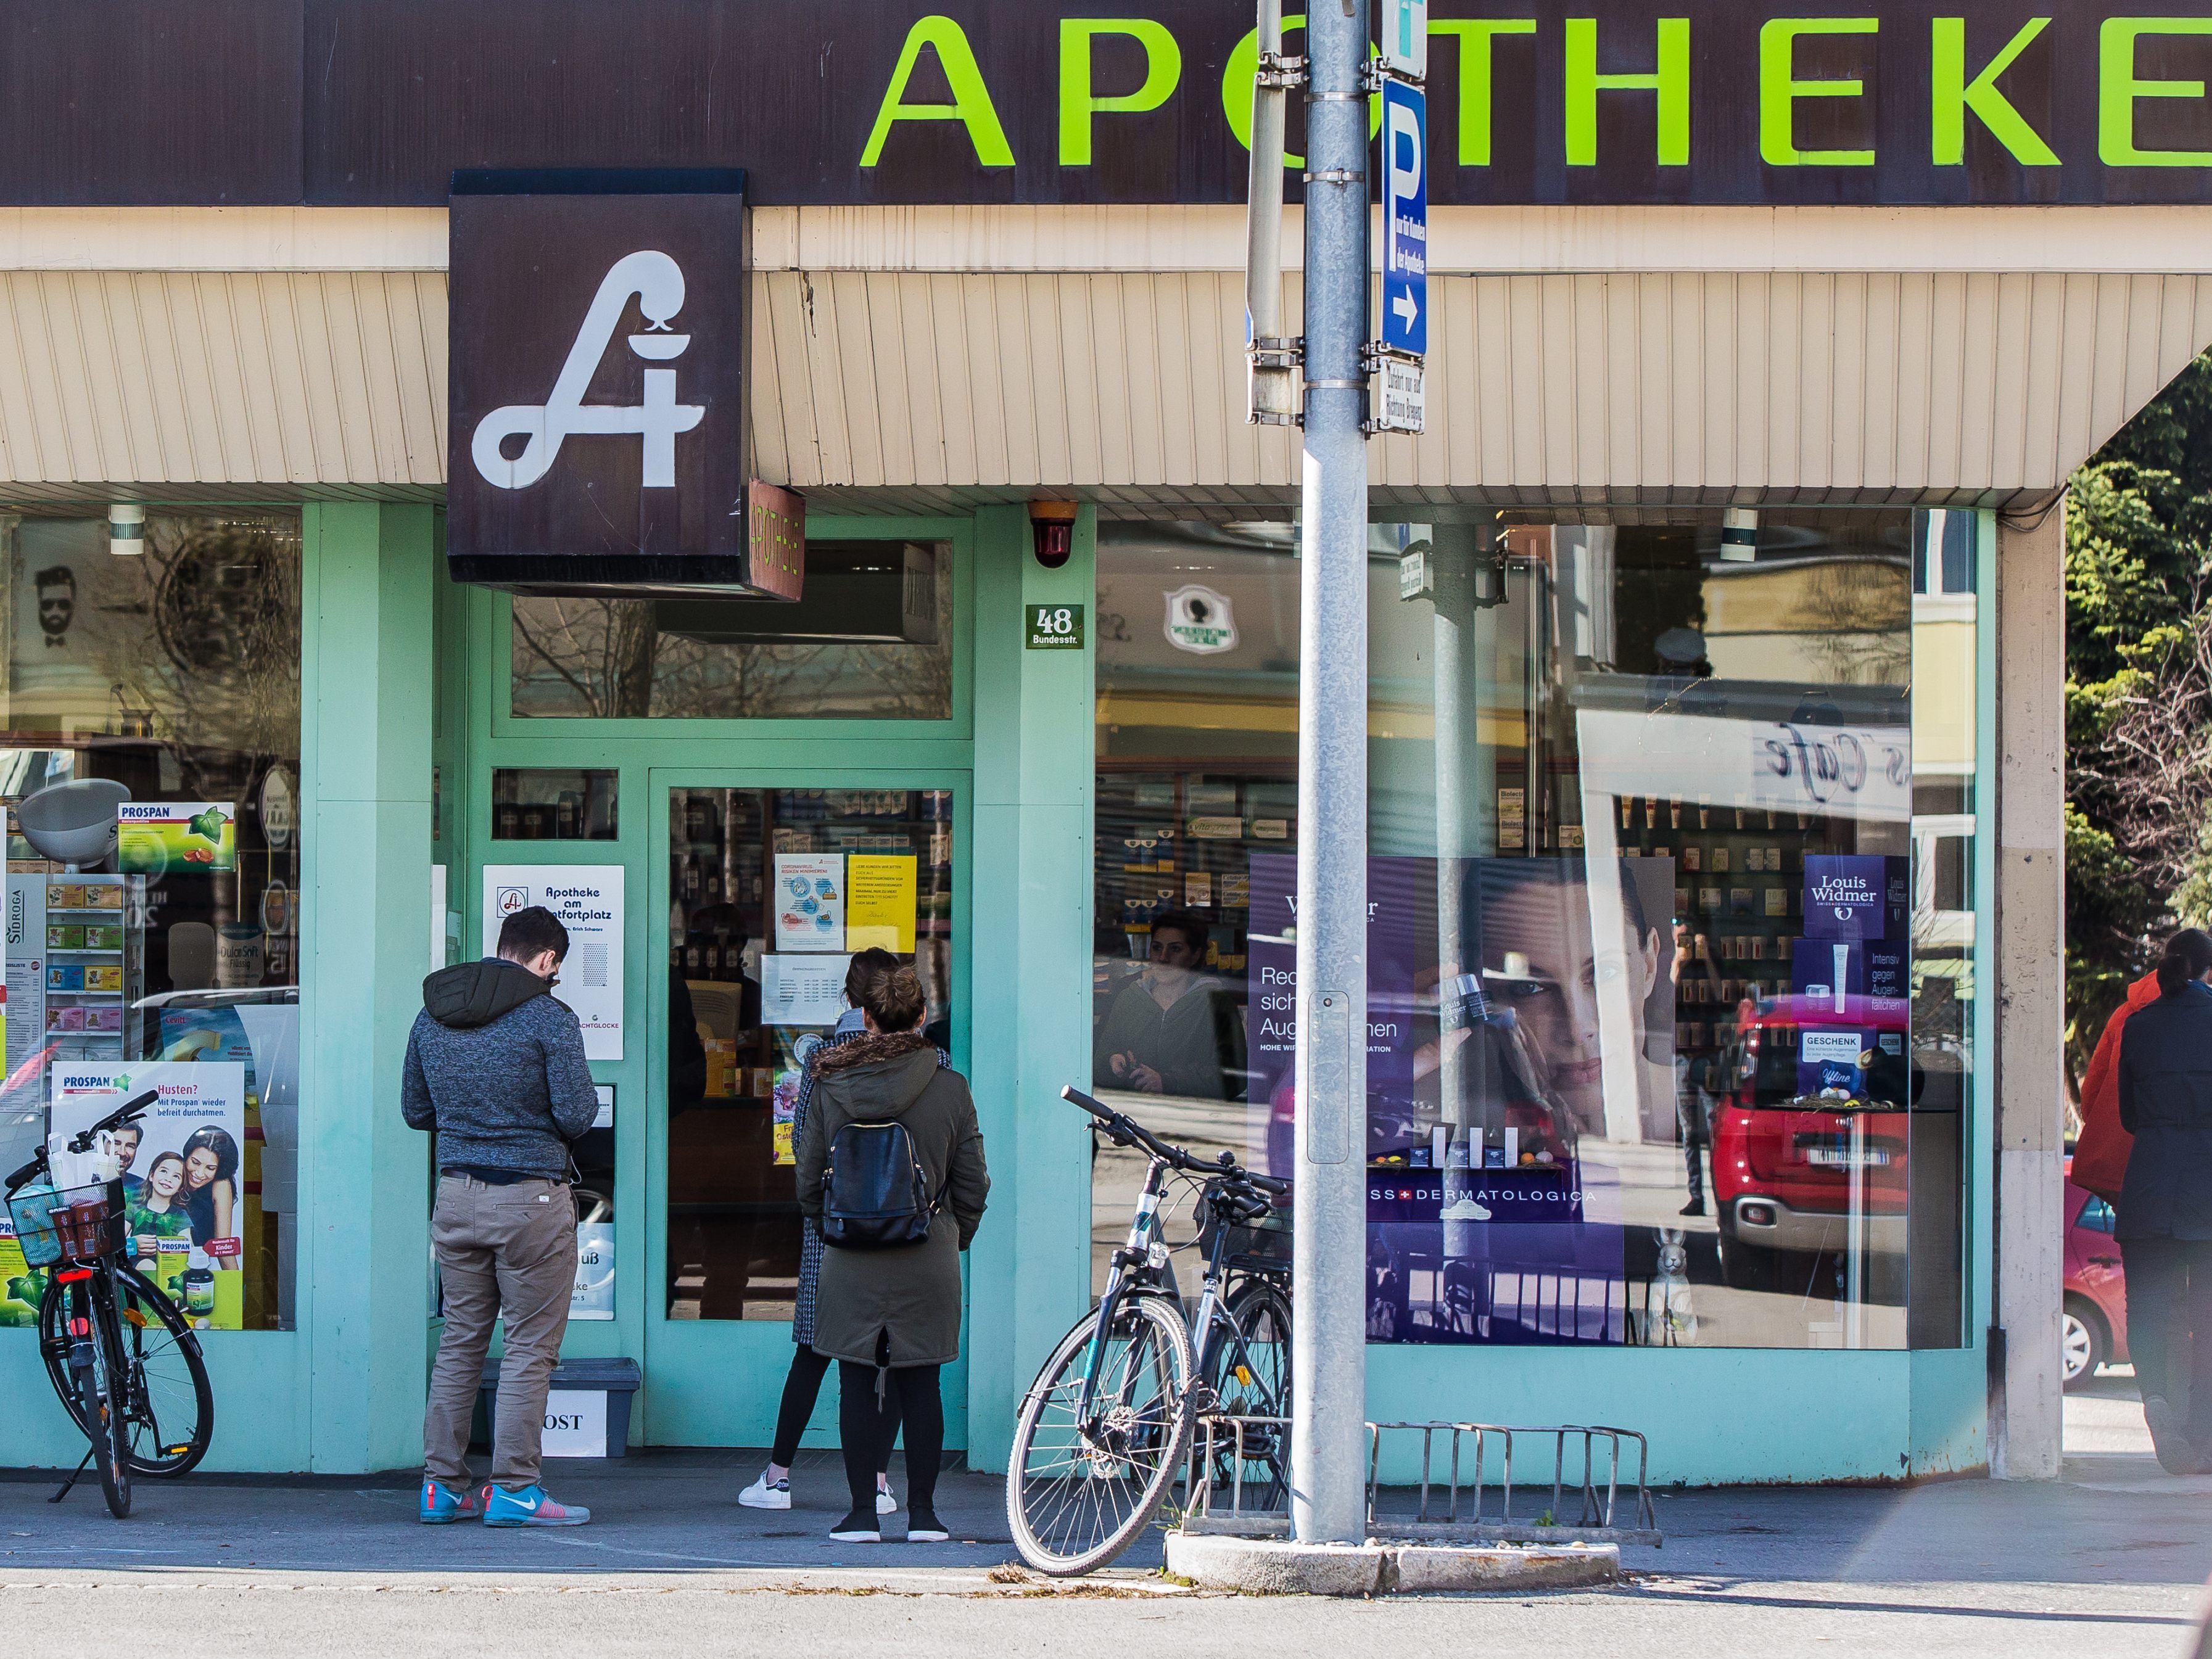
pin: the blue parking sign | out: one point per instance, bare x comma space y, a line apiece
1405, 218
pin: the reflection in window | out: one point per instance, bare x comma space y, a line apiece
870, 640
160, 688
1670, 968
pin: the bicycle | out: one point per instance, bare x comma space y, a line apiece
125, 1362
1107, 1425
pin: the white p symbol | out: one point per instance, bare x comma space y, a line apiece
1405, 155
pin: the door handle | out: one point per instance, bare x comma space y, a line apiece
2103, 1261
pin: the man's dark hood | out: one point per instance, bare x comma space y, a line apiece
473, 993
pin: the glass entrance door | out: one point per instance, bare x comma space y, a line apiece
769, 885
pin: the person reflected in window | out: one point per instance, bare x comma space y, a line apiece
687, 1050
1173, 1031
1693, 1074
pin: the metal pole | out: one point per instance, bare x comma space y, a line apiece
1275, 391
1328, 1351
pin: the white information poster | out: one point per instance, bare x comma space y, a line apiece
184, 1172
810, 902
588, 900
595, 1295
802, 989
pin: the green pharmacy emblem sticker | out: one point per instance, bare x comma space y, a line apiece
161, 838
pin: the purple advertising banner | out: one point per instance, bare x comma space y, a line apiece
1401, 911
1845, 898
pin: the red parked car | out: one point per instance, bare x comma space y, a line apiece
1787, 1155
2096, 1318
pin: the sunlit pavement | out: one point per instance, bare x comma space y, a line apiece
2112, 1560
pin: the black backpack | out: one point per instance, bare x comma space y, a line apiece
875, 1195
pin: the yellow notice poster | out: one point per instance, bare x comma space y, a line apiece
880, 894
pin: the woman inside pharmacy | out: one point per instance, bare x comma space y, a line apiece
211, 1190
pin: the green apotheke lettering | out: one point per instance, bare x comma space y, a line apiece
1964, 91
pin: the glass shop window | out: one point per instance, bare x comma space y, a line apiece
1670, 992
151, 775
871, 639
555, 803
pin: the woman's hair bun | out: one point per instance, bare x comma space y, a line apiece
893, 998
2188, 955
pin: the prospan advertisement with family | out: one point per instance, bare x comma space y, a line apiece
184, 1172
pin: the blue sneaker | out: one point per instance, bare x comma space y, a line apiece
529, 1506
441, 1503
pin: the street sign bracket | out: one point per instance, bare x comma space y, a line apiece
1378, 74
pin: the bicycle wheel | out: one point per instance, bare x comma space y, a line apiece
167, 1405
1255, 1383
93, 1389
1078, 1492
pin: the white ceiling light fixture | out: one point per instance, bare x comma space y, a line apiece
126, 530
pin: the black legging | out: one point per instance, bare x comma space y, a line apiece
2170, 1325
800, 1389
910, 1396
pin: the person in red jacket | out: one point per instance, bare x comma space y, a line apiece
2100, 1157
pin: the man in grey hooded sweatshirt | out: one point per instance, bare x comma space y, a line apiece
496, 1066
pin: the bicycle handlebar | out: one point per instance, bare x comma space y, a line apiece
1127, 1130
129, 1112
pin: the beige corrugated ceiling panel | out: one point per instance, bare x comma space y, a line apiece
944, 387
196, 379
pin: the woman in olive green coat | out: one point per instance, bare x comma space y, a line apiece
891, 1317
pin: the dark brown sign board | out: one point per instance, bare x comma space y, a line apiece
376, 102
597, 384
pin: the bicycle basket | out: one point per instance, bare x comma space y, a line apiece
1264, 1247
78, 1223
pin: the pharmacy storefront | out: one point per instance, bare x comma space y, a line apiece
822, 515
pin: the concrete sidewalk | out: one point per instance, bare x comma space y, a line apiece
2112, 1560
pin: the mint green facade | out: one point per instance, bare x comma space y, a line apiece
405, 683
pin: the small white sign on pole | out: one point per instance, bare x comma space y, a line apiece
1405, 40
1403, 406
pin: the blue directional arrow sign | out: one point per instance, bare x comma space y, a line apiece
1405, 219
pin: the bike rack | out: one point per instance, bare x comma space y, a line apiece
1474, 1500
1202, 1513
1597, 1519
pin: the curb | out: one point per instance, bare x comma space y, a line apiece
1271, 1566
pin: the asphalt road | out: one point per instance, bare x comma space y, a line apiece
2110, 1561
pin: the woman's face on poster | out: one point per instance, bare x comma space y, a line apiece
200, 1167
1564, 983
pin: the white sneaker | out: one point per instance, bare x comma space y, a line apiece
763, 1496
885, 1503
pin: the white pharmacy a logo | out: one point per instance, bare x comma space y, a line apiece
657, 282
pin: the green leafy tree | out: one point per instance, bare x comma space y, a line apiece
2138, 701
